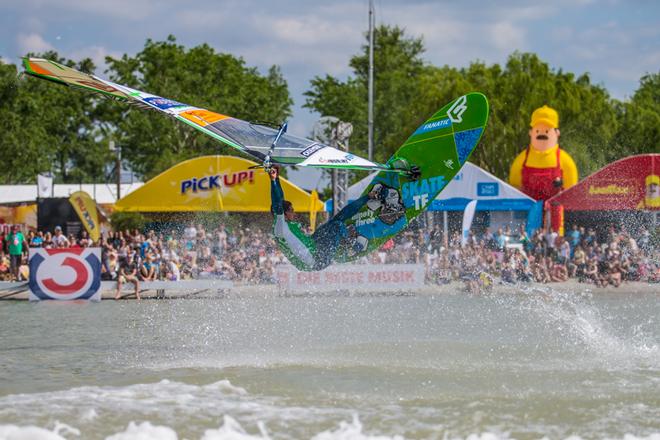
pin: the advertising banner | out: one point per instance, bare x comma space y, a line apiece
468, 215
212, 184
632, 183
85, 207
352, 278
65, 274
44, 186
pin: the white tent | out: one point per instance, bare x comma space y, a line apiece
101, 192
471, 183
491, 193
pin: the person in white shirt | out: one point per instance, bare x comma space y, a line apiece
59, 239
190, 233
551, 239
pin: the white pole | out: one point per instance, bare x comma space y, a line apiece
445, 231
370, 122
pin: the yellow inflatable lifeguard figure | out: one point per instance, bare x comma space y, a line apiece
543, 169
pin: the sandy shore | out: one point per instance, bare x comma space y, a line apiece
18, 292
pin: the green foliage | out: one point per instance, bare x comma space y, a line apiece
122, 221
640, 118
398, 71
595, 129
198, 76
47, 128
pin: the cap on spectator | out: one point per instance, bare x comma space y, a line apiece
58, 228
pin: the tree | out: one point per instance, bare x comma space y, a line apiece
408, 90
198, 76
640, 119
398, 69
47, 128
587, 117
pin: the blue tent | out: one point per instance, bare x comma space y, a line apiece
491, 193
473, 183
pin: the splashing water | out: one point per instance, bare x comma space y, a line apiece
525, 364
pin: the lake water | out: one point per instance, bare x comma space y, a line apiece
527, 365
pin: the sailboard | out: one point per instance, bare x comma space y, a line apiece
438, 149
261, 142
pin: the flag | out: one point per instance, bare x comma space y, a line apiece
313, 201
44, 186
468, 215
85, 207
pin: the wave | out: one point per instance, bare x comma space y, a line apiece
231, 429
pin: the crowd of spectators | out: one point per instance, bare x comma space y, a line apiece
249, 255
617, 257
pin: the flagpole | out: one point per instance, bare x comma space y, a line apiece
370, 122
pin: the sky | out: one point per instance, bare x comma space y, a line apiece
615, 41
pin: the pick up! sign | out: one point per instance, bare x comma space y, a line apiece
208, 183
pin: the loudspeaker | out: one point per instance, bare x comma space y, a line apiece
57, 211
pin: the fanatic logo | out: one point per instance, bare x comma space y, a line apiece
456, 111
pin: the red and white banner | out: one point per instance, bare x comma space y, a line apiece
632, 183
352, 277
65, 274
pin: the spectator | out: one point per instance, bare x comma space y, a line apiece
250, 255
5, 270
37, 240
148, 268
579, 263
574, 236
128, 274
16, 246
59, 240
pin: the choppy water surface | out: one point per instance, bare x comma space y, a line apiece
527, 365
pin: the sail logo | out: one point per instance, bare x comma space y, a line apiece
432, 126
65, 274
417, 193
163, 103
456, 111
208, 183
344, 160
311, 150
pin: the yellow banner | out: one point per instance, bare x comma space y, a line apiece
213, 183
313, 202
86, 209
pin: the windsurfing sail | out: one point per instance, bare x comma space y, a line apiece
251, 138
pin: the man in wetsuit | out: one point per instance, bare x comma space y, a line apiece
316, 251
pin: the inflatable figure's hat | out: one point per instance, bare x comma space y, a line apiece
545, 115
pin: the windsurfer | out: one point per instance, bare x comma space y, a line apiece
315, 251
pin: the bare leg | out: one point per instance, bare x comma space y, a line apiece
118, 293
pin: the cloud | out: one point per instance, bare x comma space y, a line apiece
32, 43
312, 38
96, 53
117, 9
507, 37
202, 20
